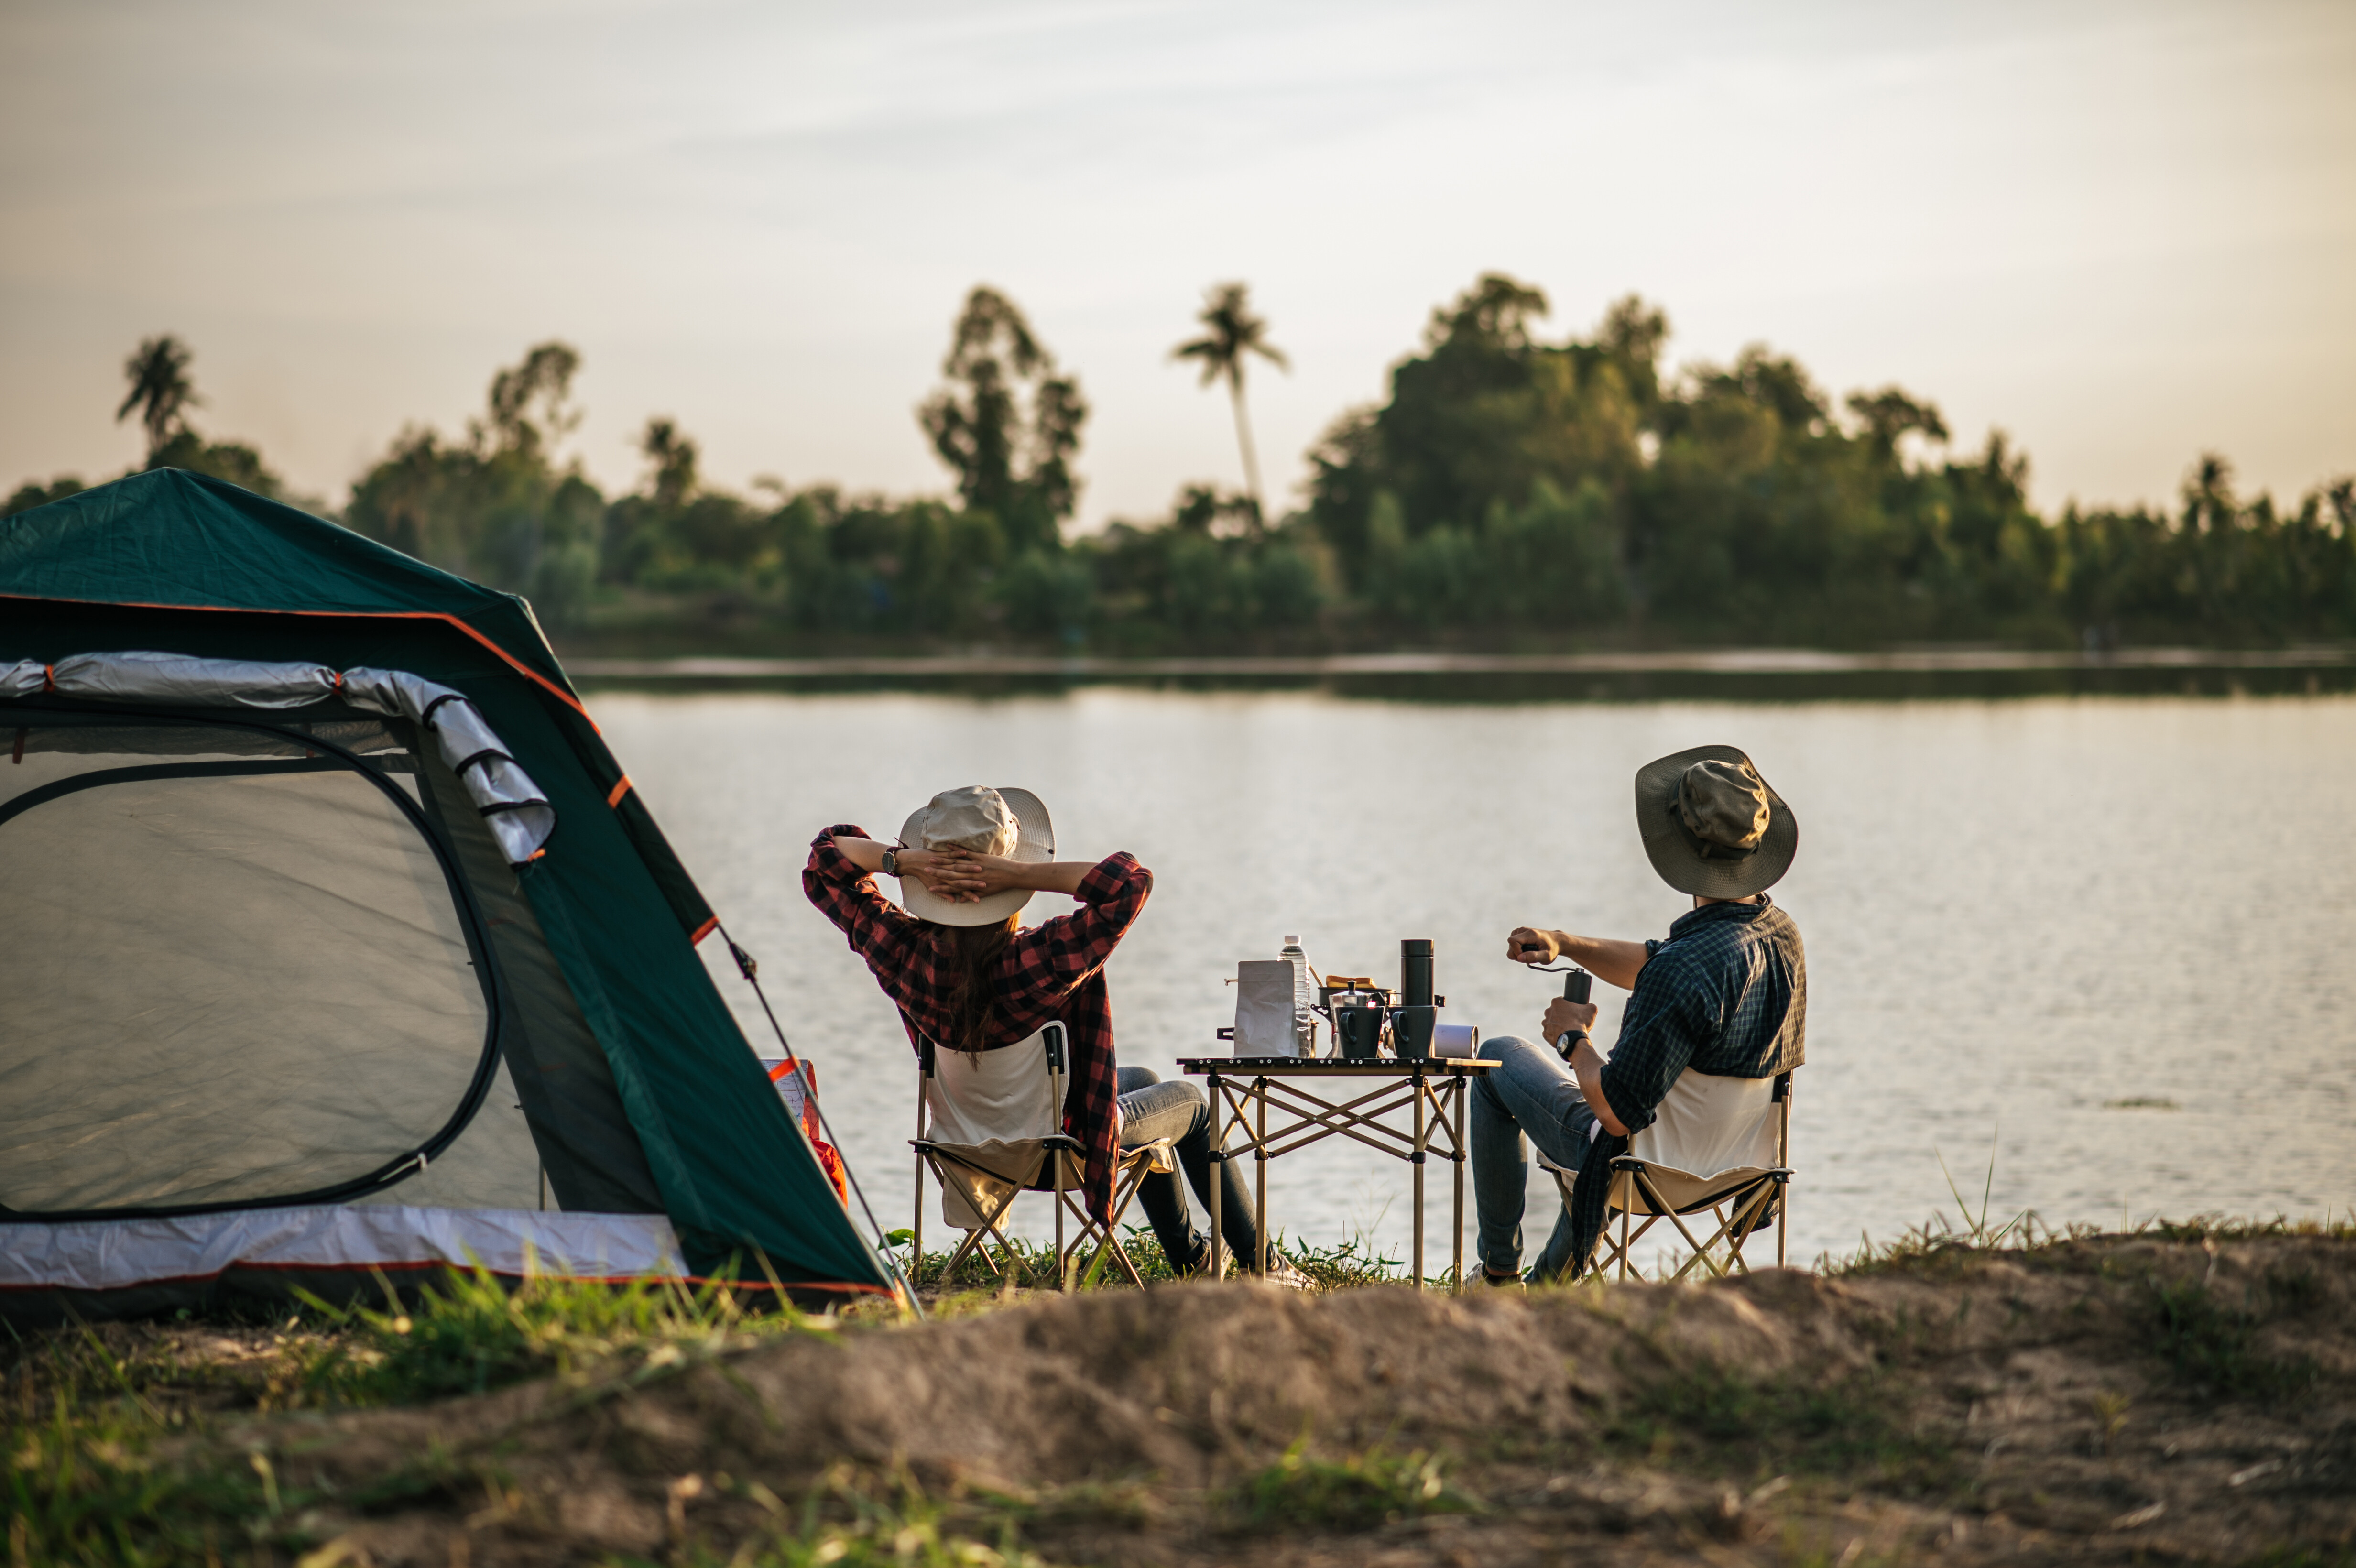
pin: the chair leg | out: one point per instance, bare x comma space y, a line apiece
1107, 1237
1063, 1259
948, 1269
990, 1227
1732, 1228
1619, 1197
1747, 1213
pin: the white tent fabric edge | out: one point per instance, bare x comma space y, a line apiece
118, 1255
513, 807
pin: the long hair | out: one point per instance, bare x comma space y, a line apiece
972, 953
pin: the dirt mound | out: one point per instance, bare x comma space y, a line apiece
2081, 1402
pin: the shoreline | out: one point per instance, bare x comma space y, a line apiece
1768, 675
1722, 661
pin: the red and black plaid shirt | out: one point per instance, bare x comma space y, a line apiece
1053, 970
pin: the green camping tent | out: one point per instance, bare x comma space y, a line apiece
329, 906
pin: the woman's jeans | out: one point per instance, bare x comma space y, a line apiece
1150, 1109
1531, 1092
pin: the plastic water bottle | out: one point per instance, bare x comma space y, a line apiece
1304, 1018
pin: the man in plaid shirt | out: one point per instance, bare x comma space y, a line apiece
1726, 994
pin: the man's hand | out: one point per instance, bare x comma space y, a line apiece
1529, 944
1562, 1016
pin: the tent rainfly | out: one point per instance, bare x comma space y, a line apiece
338, 944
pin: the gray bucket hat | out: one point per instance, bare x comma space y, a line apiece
1711, 825
1010, 823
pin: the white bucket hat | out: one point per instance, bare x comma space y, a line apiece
1010, 823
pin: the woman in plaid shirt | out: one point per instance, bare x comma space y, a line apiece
970, 979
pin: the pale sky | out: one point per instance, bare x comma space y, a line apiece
2120, 231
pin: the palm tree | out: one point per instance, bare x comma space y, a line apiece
1231, 332
160, 389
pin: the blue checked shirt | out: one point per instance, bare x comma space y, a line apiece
1726, 995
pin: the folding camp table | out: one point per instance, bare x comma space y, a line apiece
1311, 1090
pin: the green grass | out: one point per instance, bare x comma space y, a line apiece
841, 1525
87, 1416
470, 1334
1301, 1491
1714, 1419
2212, 1344
1345, 1265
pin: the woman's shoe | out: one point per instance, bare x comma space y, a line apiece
1283, 1271
1202, 1269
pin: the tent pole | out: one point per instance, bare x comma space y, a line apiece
751, 970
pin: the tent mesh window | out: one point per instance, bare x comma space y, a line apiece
261, 978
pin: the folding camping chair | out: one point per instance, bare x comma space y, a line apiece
1720, 1147
989, 1128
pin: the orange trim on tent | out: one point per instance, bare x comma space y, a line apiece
703, 930
509, 659
619, 790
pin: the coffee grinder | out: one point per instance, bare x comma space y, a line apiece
1577, 985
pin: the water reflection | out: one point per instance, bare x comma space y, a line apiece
2103, 938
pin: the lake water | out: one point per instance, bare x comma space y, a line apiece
2105, 942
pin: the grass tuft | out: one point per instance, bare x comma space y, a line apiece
1299, 1492
1721, 1421
471, 1334
2214, 1345
843, 1524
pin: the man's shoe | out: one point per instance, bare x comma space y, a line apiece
1500, 1280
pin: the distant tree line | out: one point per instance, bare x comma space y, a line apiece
1508, 492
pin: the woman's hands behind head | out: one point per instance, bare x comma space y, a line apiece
944, 875
963, 877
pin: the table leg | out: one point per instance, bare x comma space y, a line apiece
1218, 1173
1259, 1171
1456, 1092
1421, 1089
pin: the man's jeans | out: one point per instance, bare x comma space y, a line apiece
1531, 1092
1150, 1109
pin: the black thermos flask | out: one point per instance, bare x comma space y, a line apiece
1415, 972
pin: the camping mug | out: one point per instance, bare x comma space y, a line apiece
1412, 1031
1361, 1030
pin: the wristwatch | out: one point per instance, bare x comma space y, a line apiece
891, 862
1568, 1042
